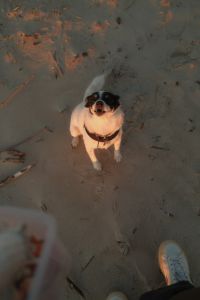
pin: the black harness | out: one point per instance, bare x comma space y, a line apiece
101, 138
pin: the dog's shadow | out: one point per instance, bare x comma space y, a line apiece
82, 163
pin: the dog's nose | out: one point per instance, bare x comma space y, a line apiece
99, 103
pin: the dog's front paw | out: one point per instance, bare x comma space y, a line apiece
97, 165
117, 156
75, 141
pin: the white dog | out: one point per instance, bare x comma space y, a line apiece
99, 120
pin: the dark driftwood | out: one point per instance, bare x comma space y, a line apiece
12, 155
18, 89
88, 263
75, 287
160, 148
16, 175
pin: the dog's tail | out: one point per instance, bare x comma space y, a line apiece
96, 85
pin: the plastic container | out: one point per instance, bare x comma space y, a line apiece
48, 281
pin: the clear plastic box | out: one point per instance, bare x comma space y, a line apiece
48, 282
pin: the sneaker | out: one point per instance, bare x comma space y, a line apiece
116, 296
173, 263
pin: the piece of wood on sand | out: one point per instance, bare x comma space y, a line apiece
57, 70
17, 90
88, 263
12, 155
73, 286
16, 175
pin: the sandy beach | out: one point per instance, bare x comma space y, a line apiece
111, 222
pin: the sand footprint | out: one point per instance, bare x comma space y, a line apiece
99, 191
121, 240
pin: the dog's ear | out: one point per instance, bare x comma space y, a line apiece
116, 102
89, 101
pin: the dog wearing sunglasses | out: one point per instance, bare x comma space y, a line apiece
98, 119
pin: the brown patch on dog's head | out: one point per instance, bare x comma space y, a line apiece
90, 100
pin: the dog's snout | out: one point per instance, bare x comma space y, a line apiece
99, 103
99, 107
